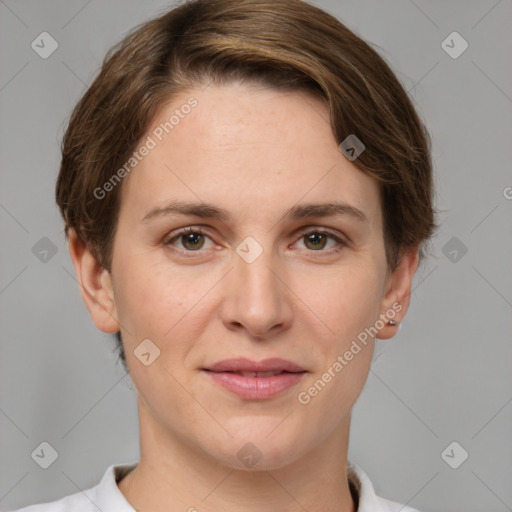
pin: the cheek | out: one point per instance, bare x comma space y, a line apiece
348, 305
154, 299
342, 302
153, 303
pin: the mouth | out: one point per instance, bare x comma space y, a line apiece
259, 374
255, 380
240, 365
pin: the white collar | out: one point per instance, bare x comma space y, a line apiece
107, 496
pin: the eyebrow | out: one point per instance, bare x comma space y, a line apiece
206, 210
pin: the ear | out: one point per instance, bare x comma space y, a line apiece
397, 292
95, 285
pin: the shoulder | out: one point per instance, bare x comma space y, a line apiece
103, 496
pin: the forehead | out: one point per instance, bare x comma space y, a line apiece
243, 146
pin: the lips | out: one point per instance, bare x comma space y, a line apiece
275, 365
258, 374
255, 380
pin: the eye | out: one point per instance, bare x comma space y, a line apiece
317, 239
192, 239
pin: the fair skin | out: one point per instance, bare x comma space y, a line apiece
255, 153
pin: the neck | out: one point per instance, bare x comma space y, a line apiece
174, 476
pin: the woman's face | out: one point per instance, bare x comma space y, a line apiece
289, 264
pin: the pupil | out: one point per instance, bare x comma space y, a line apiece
316, 239
192, 239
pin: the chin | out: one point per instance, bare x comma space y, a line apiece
257, 445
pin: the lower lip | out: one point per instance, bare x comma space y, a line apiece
256, 388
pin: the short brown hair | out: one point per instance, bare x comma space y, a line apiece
281, 44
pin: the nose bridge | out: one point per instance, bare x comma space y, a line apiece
253, 267
255, 273
256, 299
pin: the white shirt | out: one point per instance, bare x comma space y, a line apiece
107, 497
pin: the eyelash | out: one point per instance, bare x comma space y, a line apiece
168, 240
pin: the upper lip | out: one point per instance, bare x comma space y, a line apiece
242, 364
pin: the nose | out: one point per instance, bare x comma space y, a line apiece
257, 299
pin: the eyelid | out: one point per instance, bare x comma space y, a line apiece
183, 231
324, 231
341, 241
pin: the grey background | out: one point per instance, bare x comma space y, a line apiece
445, 377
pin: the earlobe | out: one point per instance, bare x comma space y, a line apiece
95, 285
397, 295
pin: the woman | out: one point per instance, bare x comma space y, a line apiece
247, 192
